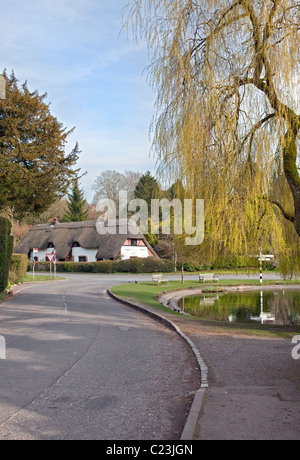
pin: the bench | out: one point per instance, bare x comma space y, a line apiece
208, 277
159, 279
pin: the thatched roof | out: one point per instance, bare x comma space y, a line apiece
64, 235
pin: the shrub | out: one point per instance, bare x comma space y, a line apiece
18, 268
131, 266
40, 266
68, 266
189, 267
6, 248
107, 266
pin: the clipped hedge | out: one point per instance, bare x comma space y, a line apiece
111, 266
18, 268
6, 248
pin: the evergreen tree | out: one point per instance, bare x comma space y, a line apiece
147, 188
76, 202
35, 171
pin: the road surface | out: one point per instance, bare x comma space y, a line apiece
81, 366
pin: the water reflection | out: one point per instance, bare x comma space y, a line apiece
266, 307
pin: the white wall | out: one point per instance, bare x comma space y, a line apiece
126, 253
134, 251
42, 254
89, 253
76, 252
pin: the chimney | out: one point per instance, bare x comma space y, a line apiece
54, 221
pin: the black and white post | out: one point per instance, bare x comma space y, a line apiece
262, 258
261, 261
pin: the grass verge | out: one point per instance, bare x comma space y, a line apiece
38, 278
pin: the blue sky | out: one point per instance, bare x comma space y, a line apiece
73, 50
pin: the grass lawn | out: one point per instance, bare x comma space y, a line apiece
147, 293
37, 278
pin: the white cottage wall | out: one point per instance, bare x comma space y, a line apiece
90, 254
41, 255
134, 251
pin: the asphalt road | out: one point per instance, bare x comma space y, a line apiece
81, 366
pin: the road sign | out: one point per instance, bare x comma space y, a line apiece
35, 250
50, 257
263, 258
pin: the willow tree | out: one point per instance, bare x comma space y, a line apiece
227, 123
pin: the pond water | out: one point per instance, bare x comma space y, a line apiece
281, 307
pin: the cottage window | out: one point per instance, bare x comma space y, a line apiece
50, 245
82, 259
76, 245
134, 243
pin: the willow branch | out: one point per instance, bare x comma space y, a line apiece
288, 216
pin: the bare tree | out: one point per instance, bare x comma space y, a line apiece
110, 183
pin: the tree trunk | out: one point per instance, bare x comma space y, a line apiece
291, 172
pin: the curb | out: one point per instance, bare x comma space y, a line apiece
190, 426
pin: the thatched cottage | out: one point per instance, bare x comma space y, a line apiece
82, 242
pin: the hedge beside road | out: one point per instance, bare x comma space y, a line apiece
18, 268
6, 248
110, 266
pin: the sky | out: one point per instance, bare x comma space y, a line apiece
93, 74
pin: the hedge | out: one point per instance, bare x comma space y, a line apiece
111, 266
18, 268
6, 248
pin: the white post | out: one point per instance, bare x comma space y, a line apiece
32, 261
262, 306
260, 258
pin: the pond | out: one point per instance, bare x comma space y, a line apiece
281, 307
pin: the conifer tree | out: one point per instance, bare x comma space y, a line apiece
35, 171
147, 188
76, 202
